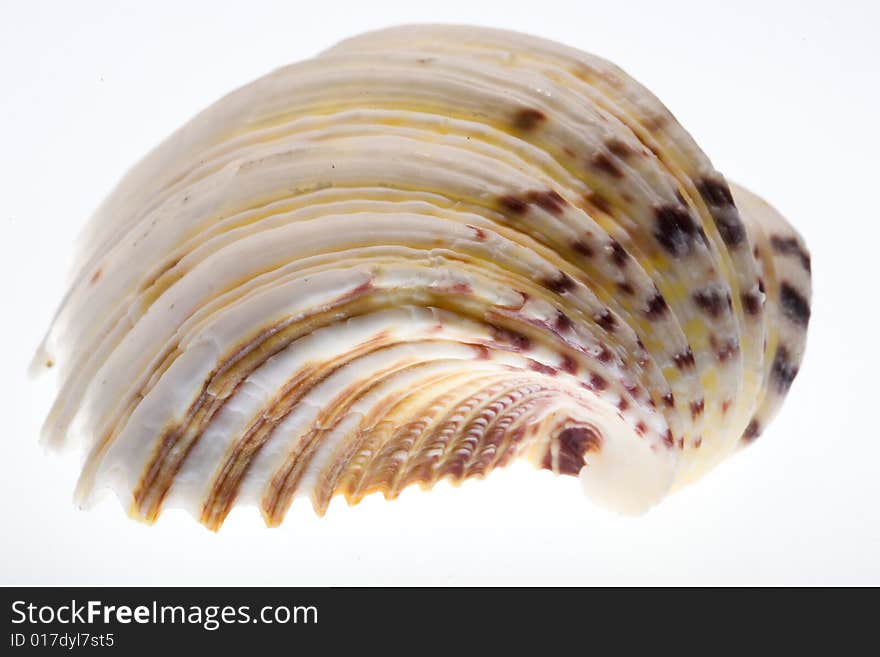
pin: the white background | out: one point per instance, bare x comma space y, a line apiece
783, 96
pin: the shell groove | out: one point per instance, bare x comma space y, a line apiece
425, 253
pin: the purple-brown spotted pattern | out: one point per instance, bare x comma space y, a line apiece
422, 255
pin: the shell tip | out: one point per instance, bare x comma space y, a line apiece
40, 363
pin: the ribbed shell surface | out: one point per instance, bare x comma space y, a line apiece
420, 255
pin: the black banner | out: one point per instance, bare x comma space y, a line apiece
390, 621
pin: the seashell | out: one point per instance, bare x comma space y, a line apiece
423, 254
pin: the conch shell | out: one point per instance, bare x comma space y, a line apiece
423, 254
